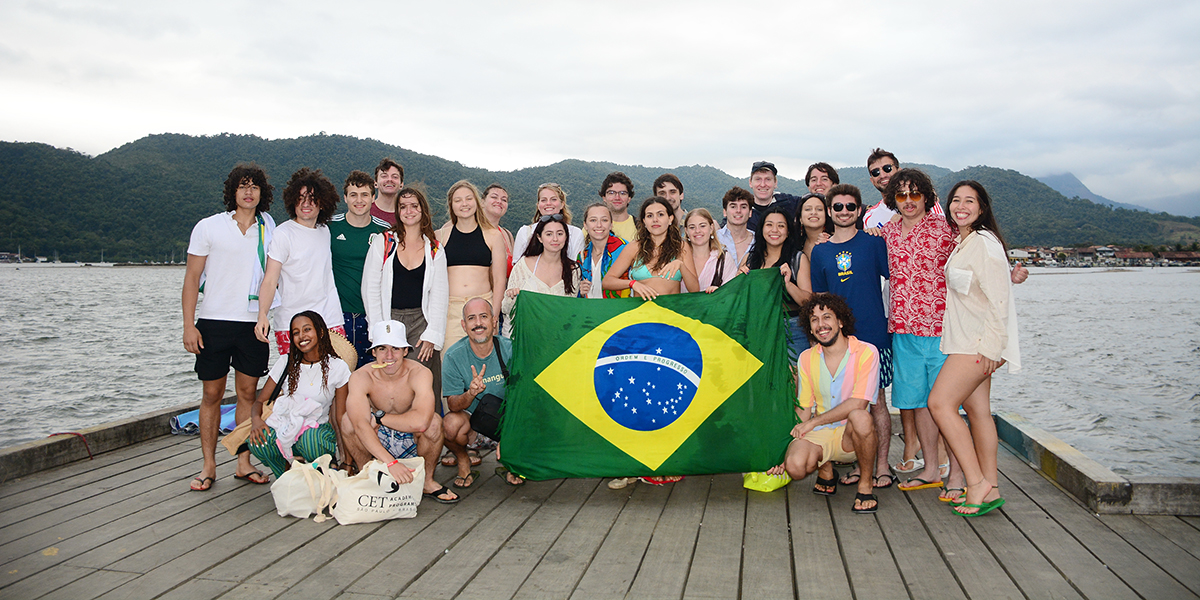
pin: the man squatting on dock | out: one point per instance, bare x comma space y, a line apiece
391, 413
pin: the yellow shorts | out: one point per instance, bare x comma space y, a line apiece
830, 441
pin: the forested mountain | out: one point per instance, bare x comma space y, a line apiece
140, 201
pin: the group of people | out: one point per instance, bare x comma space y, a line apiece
906, 293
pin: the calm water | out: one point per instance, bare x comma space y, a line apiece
1111, 359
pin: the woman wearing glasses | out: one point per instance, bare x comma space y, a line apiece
551, 200
545, 268
475, 256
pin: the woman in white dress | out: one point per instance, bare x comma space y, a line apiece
545, 268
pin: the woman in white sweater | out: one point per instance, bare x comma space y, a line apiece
979, 335
404, 278
545, 268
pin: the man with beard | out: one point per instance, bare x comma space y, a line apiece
839, 379
472, 367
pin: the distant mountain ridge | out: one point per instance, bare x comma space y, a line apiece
139, 201
1070, 186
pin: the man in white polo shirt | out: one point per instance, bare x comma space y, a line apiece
226, 259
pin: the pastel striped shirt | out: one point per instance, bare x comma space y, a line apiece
856, 377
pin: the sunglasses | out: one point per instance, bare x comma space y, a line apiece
555, 217
839, 207
886, 169
915, 196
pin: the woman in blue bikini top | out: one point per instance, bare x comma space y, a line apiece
655, 259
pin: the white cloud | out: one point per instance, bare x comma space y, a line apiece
1108, 91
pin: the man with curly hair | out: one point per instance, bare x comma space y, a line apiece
300, 261
226, 260
617, 192
839, 380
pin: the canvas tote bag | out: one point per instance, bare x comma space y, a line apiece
373, 495
305, 489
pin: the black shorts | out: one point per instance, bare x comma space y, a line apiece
230, 343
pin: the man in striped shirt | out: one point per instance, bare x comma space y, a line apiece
839, 380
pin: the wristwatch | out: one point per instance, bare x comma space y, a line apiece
378, 414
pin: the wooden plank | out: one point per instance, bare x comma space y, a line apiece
1175, 529
208, 519
719, 545
564, 564
86, 588
1137, 571
302, 561
973, 565
1182, 566
1029, 570
445, 578
198, 589
917, 557
182, 569
619, 556
503, 575
267, 551
61, 542
1081, 568
816, 556
51, 579
85, 467
98, 509
766, 564
664, 569
869, 563
1193, 521
42, 500
405, 564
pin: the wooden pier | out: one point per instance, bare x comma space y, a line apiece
124, 526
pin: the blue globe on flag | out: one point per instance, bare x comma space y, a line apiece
646, 375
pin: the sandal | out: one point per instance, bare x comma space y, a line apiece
262, 479
916, 483
437, 494
463, 482
205, 484
509, 477
859, 499
951, 499
663, 480
620, 483
890, 483
830, 483
909, 465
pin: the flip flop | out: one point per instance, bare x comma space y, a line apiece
891, 481
473, 476
436, 496
829, 483
916, 464
503, 472
984, 508
205, 484
859, 498
921, 485
449, 460
663, 480
850, 479
262, 480
944, 498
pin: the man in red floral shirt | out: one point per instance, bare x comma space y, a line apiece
918, 246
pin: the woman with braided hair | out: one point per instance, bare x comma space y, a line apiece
309, 405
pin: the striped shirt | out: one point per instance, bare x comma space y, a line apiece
856, 377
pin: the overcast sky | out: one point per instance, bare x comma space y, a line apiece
1107, 90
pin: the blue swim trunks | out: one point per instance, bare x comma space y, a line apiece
398, 443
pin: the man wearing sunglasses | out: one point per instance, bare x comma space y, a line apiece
853, 267
881, 165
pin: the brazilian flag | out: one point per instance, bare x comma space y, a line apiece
684, 384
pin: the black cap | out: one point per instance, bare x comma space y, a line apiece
764, 165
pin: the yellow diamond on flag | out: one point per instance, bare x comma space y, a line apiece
647, 378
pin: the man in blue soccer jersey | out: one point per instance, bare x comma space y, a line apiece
850, 265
